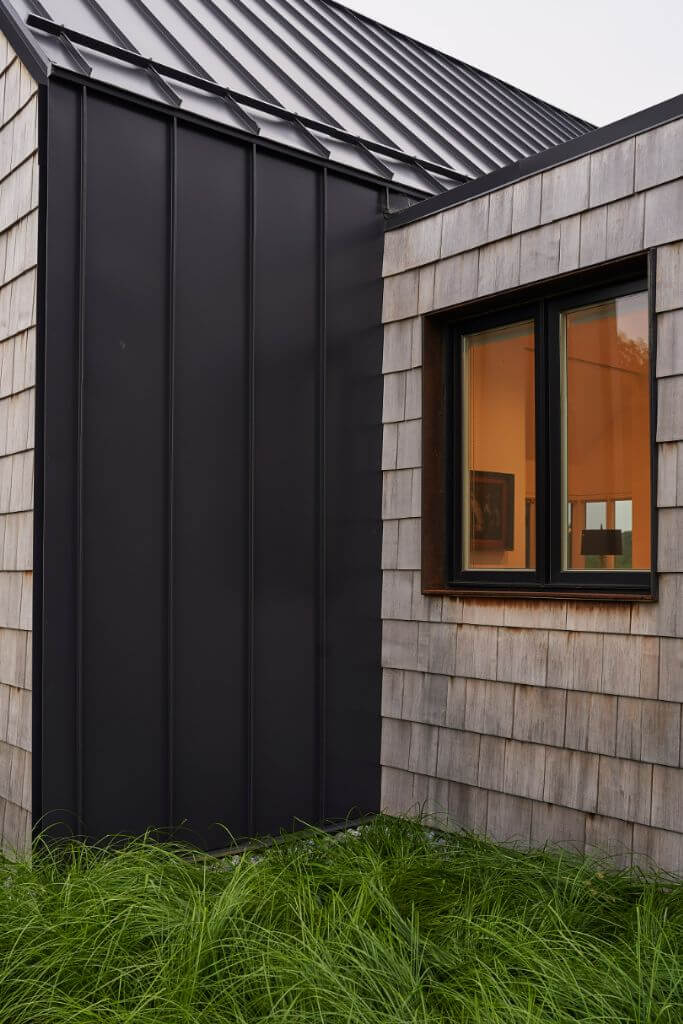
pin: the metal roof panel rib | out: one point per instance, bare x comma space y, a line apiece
426, 91
311, 75
440, 76
400, 91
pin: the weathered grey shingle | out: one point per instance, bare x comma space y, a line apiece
523, 656
667, 798
489, 707
612, 172
539, 715
458, 758
591, 722
625, 789
558, 826
571, 779
659, 155
524, 769
509, 819
467, 807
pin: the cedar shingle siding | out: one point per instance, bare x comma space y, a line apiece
18, 258
537, 721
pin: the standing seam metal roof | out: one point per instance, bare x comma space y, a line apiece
309, 74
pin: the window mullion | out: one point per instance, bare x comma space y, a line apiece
542, 447
553, 443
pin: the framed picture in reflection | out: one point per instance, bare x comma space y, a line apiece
492, 510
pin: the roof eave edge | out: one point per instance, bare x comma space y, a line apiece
35, 61
609, 135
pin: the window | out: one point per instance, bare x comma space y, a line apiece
499, 447
547, 481
605, 422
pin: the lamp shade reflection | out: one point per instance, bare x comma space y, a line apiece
601, 542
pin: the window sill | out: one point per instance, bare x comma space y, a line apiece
621, 597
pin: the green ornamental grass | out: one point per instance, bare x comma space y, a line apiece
392, 925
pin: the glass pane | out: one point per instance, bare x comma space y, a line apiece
606, 435
499, 449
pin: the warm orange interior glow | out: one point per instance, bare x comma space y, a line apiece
499, 457
607, 432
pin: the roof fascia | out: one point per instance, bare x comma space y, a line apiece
599, 138
23, 44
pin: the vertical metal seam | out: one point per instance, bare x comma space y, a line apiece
170, 609
322, 498
654, 405
251, 447
38, 620
543, 451
79, 462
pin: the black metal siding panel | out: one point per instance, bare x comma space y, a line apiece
210, 459
211, 613
287, 253
59, 734
353, 496
125, 487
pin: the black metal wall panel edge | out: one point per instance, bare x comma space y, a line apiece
211, 544
39, 456
352, 496
321, 504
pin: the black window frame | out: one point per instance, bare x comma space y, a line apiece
544, 305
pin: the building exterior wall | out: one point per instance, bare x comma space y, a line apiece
210, 657
18, 259
537, 721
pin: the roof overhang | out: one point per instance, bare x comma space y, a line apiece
310, 76
591, 142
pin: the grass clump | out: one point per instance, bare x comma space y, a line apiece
389, 926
